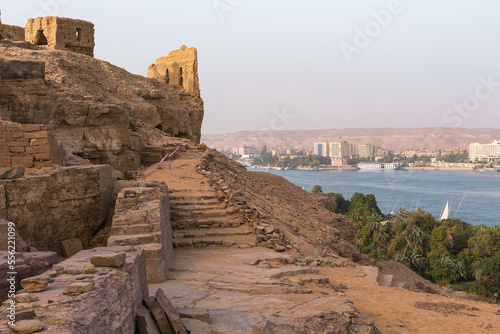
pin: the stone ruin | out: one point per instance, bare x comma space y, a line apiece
179, 68
62, 34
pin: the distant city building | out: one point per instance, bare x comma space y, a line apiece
245, 150
366, 151
343, 149
339, 161
262, 149
485, 152
321, 149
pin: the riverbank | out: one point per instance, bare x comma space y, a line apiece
454, 169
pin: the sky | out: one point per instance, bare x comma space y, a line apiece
315, 64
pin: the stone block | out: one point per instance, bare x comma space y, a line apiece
194, 313
17, 149
80, 287
25, 315
42, 164
109, 260
22, 161
35, 134
39, 142
29, 127
145, 321
42, 156
35, 284
70, 247
88, 269
161, 318
37, 149
173, 317
26, 298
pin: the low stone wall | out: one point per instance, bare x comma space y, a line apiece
14, 33
142, 219
106, 303
69, 202
28, 145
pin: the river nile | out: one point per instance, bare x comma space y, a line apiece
431, 189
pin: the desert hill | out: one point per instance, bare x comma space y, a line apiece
387, 138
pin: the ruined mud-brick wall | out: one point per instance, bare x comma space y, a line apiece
108, 307
61, 33
68, 203
179, 68
14, 33
28, 145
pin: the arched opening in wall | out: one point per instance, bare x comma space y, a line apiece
167, 77
181, 80
79, 34
159, 127
40, 38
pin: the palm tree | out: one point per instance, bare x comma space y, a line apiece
415, 239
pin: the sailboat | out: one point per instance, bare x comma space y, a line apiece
446, 211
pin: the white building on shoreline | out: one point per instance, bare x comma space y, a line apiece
485, 152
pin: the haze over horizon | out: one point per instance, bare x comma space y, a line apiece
297, 65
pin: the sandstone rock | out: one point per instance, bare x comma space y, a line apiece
14, 173
161, 318
109, 260
194, 313
145, 321
71, 246
35, 284
279, 248
272, 328
196, 326
27, 326
172, 315
88, 269
80, 287
26, 298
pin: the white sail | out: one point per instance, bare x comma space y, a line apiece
446, 211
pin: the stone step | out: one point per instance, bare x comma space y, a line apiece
135, 229
196, 207
385, 280
226, 241
204, 190
209, 213
400, 285
225, 222
134, 239
214, 232
193, 197
200, 202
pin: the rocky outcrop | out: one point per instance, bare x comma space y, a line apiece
11, 32
102, 302
66, 203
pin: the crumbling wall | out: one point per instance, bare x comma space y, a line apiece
61, 33
28, 145
13, 33
108, 297
179, 68
69, 202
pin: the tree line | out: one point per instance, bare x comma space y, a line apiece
450, 252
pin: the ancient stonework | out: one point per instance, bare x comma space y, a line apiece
102, 302
28, 145
142, 219
70, 202
179, 68
61, 33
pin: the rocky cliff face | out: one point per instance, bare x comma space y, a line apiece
88, 103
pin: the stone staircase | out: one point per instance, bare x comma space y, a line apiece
199, 220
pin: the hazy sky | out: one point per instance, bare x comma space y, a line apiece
316, 64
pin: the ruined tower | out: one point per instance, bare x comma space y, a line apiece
179, 68
62, 34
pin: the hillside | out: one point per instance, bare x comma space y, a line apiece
388, 138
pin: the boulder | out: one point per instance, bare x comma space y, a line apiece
70, 247
80, 287
27, 326
88, 269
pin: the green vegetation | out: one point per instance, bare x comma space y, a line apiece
303, 161
449, 252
